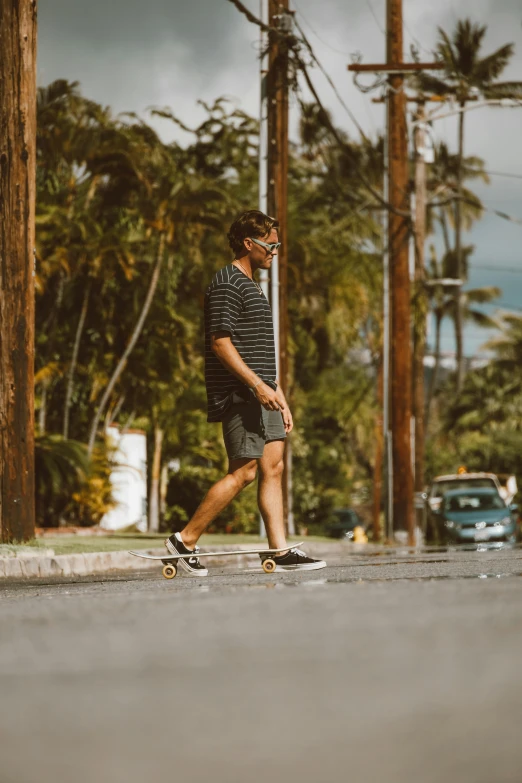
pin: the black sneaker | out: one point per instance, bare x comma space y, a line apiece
191, 564
295, 560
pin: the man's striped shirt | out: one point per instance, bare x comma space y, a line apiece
233, 304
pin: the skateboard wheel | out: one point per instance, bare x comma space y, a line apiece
169, 571
269, 566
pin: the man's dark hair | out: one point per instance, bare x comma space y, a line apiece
251, 223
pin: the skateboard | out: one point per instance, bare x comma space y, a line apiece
170, 568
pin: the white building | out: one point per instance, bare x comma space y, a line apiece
128, 479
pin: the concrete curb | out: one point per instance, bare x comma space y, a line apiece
70, 565
16, 568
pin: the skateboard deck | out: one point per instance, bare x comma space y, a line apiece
169, 560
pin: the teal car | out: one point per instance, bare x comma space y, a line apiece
468, 516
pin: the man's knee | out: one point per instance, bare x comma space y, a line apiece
244, 473
272, 469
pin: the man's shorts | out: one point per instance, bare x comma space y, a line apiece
247, 426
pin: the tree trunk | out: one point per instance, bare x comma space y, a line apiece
164, 483
459, 337
154, 500
132, 342
435, 376
74, 359
126, 427
42, 414
114, 412
17, 238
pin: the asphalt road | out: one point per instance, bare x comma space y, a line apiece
396, 667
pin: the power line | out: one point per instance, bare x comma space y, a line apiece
504, 215
416, 40
497, 212
509, 269
342, 143
509, 307
503, 174
377, 22
331, 82
329, 46
328, 78
250, 16
329, 124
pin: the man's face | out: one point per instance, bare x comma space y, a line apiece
259, 256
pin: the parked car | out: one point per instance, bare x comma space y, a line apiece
342, 523
477, 514
462, 480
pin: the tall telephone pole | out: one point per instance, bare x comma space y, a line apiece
398, 232
280, 18
398, 195
421, 305
17, 236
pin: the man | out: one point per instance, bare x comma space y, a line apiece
244, 394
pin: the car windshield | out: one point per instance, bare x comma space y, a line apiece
441, 487
474, 502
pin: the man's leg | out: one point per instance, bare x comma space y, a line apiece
241, 472
270, 492
270, 499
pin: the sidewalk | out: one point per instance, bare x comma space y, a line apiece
41, 563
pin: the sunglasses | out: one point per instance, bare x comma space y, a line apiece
270, 248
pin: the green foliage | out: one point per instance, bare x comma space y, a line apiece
61, 468
111, 196
482, 427
93, 498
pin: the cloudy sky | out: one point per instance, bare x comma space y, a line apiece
132, 54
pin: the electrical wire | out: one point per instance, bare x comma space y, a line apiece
503, 174
329, 46
415, 40
330, 82
250, 16
372, 10
330, 126
501, 214
335, 133
498, 212
507, 269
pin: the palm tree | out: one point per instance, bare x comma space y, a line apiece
508, 345
445, 305
442, 186
467, 75
440, 302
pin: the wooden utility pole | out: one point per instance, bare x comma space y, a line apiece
398, 231
421, 301
277, 186
398, 195
17, 238
379, 454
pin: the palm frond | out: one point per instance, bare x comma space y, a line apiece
490, 67
483, 295
500, 90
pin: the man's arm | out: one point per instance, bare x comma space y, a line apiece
229, 357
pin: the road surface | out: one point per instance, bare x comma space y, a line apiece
402, 667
